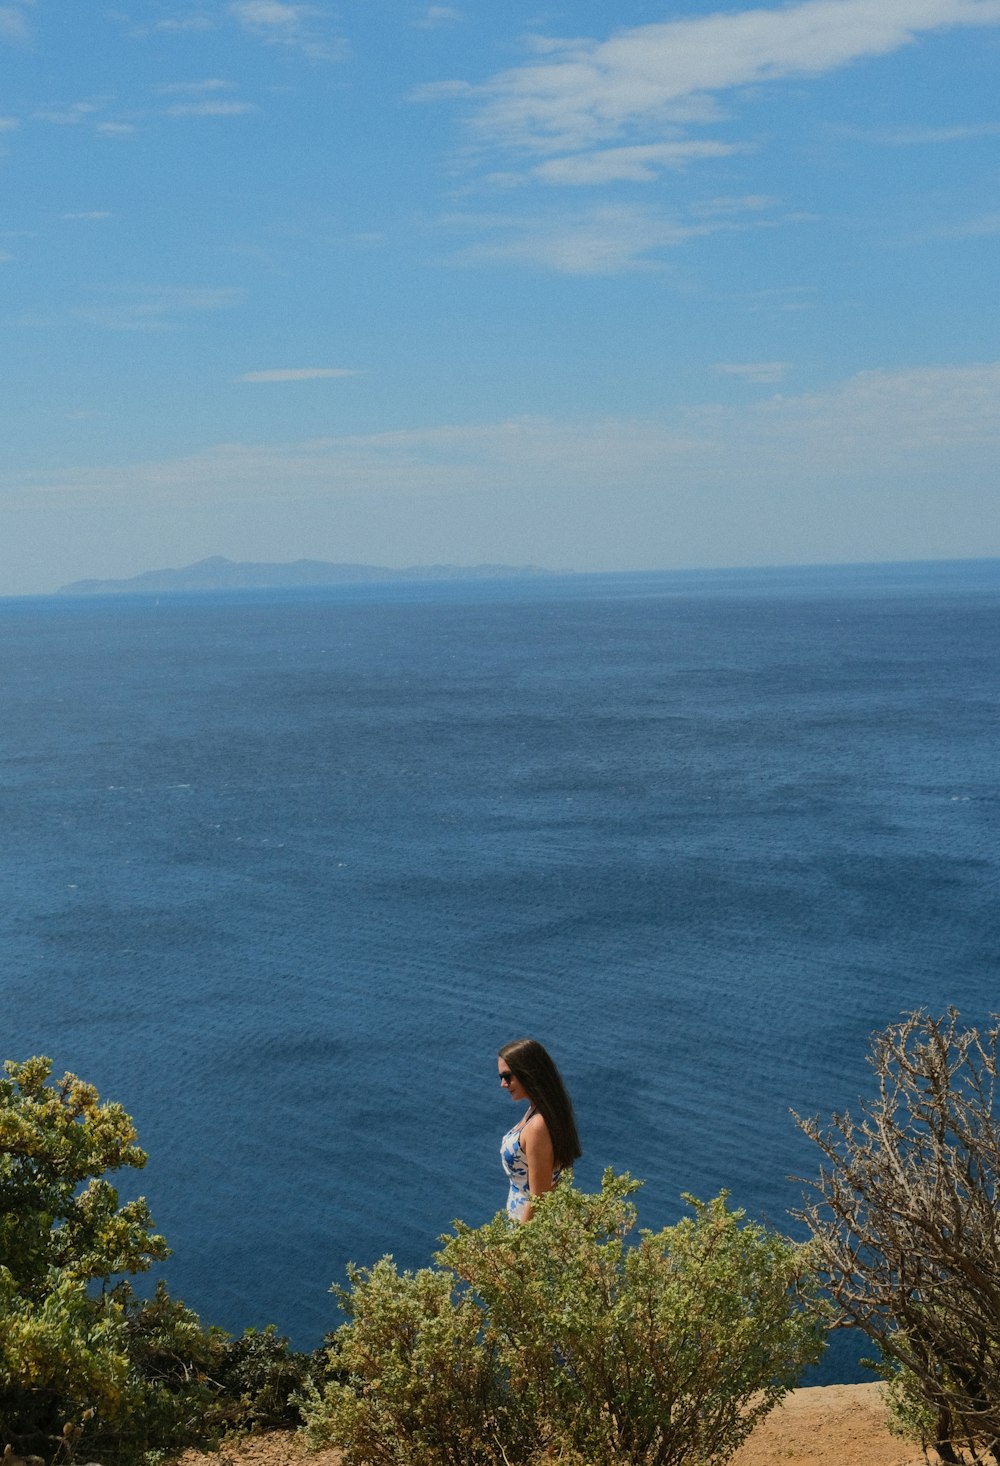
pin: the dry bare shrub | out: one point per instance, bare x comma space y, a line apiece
907, 1233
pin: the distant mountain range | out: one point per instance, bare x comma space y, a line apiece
218, 573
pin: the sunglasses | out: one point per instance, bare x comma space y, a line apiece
506, 1077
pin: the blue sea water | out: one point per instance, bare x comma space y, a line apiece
281, 871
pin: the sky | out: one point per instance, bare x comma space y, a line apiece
591, 287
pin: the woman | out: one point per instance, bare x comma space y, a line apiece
544, 1141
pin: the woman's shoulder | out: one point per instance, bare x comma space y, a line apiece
535, 1128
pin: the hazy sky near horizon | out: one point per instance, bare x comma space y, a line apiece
686, 284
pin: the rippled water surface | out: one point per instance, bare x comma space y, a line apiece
280, 873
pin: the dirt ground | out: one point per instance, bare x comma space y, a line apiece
831, 1425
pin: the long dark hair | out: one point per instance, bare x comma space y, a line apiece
529, 1062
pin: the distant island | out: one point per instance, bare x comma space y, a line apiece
218, 573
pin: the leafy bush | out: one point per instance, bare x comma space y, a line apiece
84, 1360
907, 1229
259, 1376
78, 1351
560, 1340
412, 1377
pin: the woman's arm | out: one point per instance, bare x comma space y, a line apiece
536, 1144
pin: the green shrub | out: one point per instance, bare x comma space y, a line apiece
258, 1377
412, 1376
562, 1340
80, 1352
910, 1415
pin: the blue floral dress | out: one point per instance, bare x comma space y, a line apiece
515, 1164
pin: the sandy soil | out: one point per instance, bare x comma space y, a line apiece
278, 1448
831, 1425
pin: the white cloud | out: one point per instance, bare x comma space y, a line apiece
181, 23
782, 298
890, 427
210, 103
297, 374
746, 203
637, 164
72, 116
87, 113
753, 371
887, 465
264, 14
904, 137
154, 308
169, 25
89, 214
298, 26
983, 226
904, 413
581, 95
9, 124
438, 15
194, 88
437, 91
609, 239
218, 108
14, 24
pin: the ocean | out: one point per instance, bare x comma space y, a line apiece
281, 871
